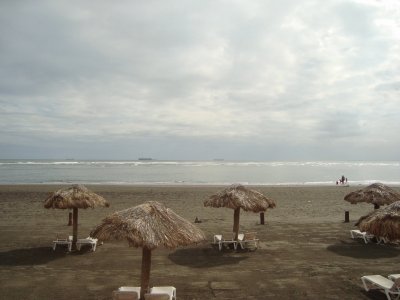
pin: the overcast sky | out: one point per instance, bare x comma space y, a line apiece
251, 80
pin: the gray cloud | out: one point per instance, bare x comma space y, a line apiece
199, 80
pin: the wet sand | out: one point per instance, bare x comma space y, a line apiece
305, 248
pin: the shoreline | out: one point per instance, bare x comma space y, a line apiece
284, 185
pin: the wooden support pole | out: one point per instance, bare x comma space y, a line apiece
75, 228
236, 217
145, 277
346, 216
70, 219
262, 218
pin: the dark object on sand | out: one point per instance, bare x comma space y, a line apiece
262, 218
149, 225
346, 216
384, 222
237, 197
378, 194
74, 197
70, 219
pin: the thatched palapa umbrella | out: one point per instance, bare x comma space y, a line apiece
74, 197
384, 222
237, 197
149, 225
377, 193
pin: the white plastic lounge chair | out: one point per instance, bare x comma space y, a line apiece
63, 241
130, 289
125, 295
394, 277
88, 241
168, 290
220, 241
383, 283
382, 240
355, 233
248, 240
156, 297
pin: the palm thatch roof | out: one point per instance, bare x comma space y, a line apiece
149, 225
238, 196
384, 222
377, 193
75, 196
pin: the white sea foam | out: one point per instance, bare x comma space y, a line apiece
197, 172
222, 183
210, 163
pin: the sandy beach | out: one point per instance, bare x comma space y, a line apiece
305, 247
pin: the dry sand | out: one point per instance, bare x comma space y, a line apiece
305, 250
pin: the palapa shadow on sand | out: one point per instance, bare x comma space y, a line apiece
204, 258
85, 250
30, 256
374, 294
360, 250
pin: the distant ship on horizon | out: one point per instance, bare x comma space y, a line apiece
145, 158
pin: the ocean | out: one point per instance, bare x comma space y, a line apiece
148, 172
